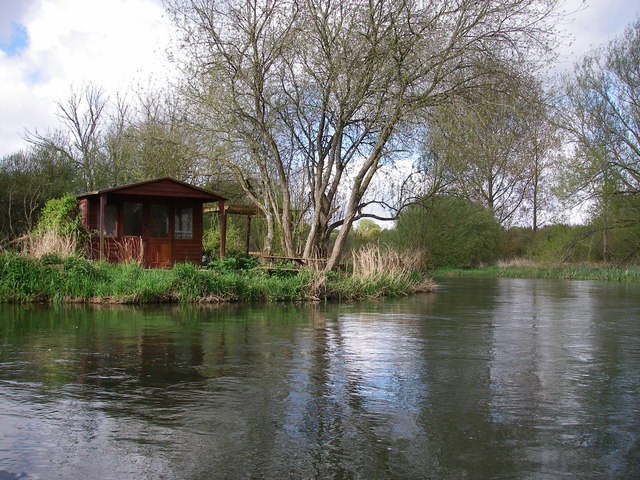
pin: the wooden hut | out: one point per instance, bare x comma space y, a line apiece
157, 222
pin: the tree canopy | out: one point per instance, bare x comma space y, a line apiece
310, 99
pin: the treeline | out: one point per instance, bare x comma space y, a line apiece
451, 231
324, 114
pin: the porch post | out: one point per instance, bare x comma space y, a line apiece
248, 234
223, 229
103, 201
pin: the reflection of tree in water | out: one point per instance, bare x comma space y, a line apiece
462, 439
345, 409
428, 385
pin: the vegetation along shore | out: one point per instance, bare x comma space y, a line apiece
563, 271
75, 279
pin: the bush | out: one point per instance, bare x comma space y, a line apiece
60, 216
58, 231
451, 230
233, 262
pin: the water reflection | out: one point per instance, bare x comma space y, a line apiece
486, 379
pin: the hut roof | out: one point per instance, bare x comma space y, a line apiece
159, 187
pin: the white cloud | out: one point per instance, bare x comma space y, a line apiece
120, 43
116, 44
592, 23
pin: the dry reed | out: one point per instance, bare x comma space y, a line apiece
38, 245
515, 262
130, 250
376, 260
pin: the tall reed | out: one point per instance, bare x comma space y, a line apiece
376, 260
379, 271
48, 242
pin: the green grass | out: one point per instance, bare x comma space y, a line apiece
563, 272
75, 279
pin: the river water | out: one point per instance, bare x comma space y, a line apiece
486, 379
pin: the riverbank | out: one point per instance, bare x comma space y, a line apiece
554, 271
75, 279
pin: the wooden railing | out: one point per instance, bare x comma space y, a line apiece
297, 262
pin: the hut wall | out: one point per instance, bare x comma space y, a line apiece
121, 248
190, 250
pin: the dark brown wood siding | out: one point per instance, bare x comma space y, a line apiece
190, 250
120, 248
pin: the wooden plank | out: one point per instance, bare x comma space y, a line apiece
223, 229
235, 209
103, 202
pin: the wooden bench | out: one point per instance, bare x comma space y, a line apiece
298, 262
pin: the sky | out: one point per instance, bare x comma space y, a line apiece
49, 47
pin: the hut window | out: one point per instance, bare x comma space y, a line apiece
132, 216
184, 222
159, 221
110, 220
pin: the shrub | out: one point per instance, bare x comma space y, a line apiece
233, 262
58, 231
451, 230
60, 216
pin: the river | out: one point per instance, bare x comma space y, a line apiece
486, 379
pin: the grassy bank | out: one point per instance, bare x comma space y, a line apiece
556, 271
74, 279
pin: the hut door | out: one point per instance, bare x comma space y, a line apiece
158, 253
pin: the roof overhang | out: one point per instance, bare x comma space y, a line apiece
158, 187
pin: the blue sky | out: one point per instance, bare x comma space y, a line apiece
15, 41
48, 46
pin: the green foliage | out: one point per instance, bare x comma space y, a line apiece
451, 230
27, 180
516, 242
233, 262
372, 286
616, 229
367, 232
236, 233
61, 216
24, 279
562, 243
552, 271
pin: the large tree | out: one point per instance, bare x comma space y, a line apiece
312, 97
604, 115
603, 119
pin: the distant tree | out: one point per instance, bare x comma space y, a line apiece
80, 139
161, 141
604, 101
120, 161
495, 149
365, 232
543, 156
27, 180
